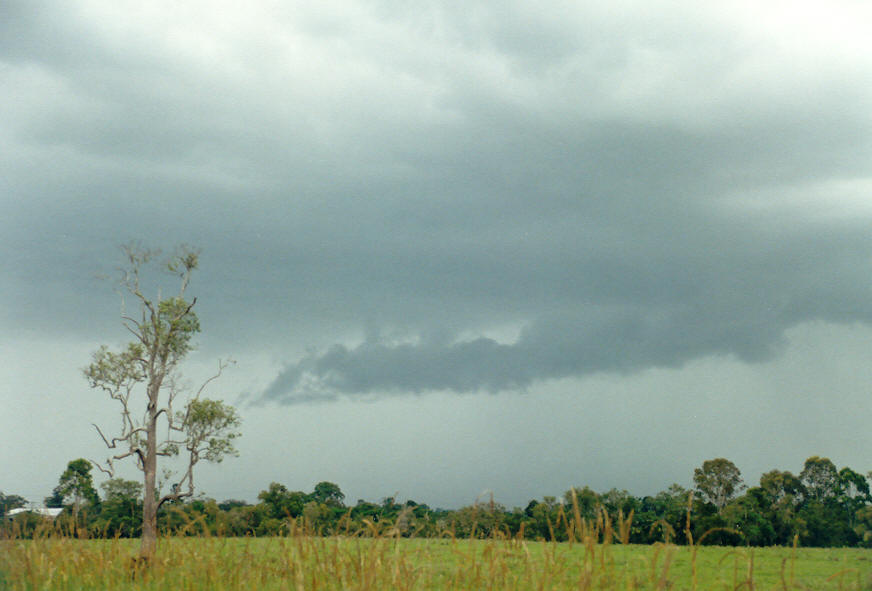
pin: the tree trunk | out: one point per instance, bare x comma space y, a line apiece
148, 542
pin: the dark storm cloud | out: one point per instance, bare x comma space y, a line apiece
556, 348
661, 317
630, 190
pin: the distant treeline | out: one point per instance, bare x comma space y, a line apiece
821, 506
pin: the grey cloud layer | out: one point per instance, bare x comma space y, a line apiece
743, 313
632, 189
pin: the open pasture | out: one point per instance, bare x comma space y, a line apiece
339, 563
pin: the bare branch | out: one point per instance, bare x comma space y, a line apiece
126, 454
174, 497
115, 440
177, 493
133, 452
222, 365
110, 471
126, 321
103, 437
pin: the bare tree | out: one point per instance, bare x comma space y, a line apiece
196, 426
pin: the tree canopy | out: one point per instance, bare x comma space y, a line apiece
718, 481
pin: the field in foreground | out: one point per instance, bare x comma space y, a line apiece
303, 562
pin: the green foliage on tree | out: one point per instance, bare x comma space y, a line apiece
853, 493
329, 494
863, 526
664, 515
781, 495
76, 486
120, 489
55, 500
782, 486
9, 502
121, 511
751, 519
718, 481
280, 502
820, 478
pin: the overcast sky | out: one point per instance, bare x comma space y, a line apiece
454, 247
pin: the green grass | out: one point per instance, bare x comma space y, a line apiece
307, 562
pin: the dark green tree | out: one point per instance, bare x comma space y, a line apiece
853, 494
619, 502
824, 513
119, 488
750, 516
230, 504
587, 500
76, 487
328, 493
481, 520
9, 502
670, 510
121, 511
281, 503
718, 481
863, 526
55, 500
782, 485
784, 493
820, 478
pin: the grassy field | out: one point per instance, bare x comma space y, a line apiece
307, 562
